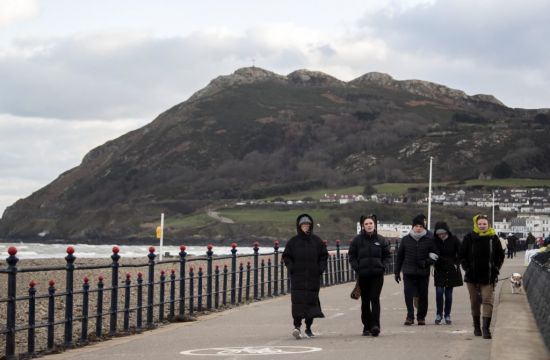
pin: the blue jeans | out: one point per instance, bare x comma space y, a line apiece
448, 292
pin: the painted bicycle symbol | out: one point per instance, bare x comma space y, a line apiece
251, 350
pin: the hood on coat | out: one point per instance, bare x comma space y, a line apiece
442, 225
299, 230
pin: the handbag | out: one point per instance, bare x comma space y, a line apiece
356, 292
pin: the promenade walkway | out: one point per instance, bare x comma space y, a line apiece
265, 328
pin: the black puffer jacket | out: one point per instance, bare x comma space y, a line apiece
446, 268
368, 254
305, 256
412, 255
481, 258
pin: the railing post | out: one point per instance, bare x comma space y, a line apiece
127, 284
240, 282
114, 291
139, 315
68, 335
269, 277
11, 307
151, 287
347, 267
262, 279
191, 292
161, 295
182, 254
99, 309
217, 287
172, 294
51, 315
199, 289
32, 318
282, 277
233, 272
248, 281
85, 310
209, 253
276, 268
327, 271
256, 257
331, 268
338, 263
224, 299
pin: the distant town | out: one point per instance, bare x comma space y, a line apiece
529, 208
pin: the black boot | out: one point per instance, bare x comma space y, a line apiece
477, 326
486, 325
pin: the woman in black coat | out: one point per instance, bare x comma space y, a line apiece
305, 257
368, 254
447, 273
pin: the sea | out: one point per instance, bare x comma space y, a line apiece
50, 251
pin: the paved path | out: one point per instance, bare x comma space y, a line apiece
267, 325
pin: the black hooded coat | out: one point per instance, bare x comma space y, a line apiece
305, 257
447, 267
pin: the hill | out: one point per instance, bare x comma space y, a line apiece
254, 134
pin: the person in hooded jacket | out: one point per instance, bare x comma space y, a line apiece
368, 254
481, 257
305, 257
447, 273
415, 254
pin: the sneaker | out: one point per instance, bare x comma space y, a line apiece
375, 330
309, 333
408, 321
448, 320
421, 322
438, 319
296, 333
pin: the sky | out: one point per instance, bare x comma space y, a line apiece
75, 74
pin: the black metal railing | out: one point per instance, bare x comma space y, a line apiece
229, 280
537, 286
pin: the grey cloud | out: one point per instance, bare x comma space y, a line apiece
501, 33
77, 79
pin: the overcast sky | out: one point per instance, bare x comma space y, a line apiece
75, 73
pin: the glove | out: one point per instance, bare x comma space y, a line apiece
397, 278
433, 256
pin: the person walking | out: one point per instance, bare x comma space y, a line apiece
481, 257
305, 257
368, 254
447, 274
416, 252
511, 245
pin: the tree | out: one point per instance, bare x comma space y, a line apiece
502, 170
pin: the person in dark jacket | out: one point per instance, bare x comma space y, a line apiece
305, 257
481, 256
416, 253
447, 273
511, 245
368, 254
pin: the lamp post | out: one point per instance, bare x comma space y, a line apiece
430, 194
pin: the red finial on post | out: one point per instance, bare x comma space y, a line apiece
86, 280
115, 249
152, 249
70, 250
12, 250
51, 283
182, 247
32, 284
128, 276
209, 247
234, 245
